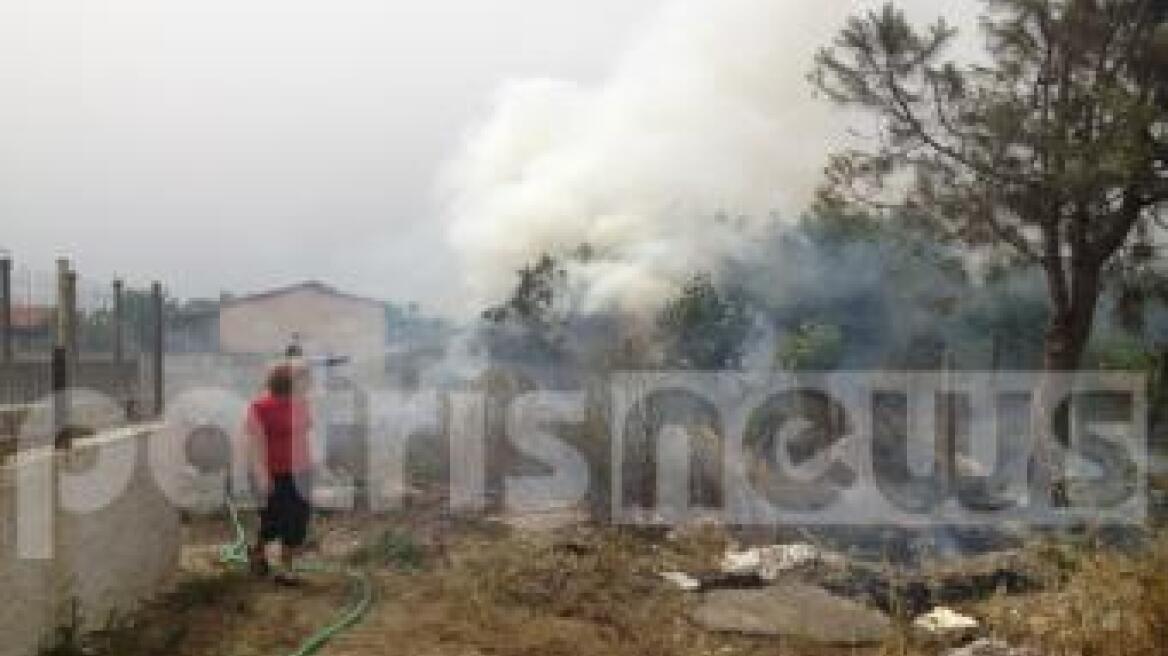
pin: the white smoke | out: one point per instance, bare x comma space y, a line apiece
705, 134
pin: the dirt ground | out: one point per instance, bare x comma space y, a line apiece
444, 586
546, 585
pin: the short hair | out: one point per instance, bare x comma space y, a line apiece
281, 380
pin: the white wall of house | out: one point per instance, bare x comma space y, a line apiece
328, 323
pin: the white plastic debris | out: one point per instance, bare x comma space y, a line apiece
682, 580
945, 621
742, 562
769, 562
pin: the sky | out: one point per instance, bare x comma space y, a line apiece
243, 144
239, 145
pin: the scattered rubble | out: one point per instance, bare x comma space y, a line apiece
917, 592
946, 625
792, 610
769, 562
683, 581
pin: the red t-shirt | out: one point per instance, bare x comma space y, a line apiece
284, 423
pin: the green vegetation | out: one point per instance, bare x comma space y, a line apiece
534, 311
811, 347
393, 549
704, 327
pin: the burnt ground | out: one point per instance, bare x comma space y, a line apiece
446, 586
559, 585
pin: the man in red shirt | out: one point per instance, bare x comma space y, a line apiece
278, 425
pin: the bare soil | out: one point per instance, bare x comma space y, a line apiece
555, 585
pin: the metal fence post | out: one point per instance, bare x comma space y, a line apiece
59, 376
119, 345
61, 336
159, 346
70, 310
6, 308
61, 372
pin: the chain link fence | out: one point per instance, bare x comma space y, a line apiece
61, 330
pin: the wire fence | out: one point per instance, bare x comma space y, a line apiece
105, 332
35, 309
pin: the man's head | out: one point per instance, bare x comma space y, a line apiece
281, 380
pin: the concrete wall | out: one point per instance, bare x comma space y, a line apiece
32, 422
107, 561
327, 323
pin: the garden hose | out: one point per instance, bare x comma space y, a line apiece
235, 553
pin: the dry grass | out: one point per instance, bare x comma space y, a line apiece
592, 594
1099, 603
223, 615
586, 593
452, 588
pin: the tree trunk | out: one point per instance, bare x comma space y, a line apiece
1065, 341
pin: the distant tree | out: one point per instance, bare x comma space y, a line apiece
813, 346
533, 308
1054, 149
704, 328
409, 324
868, 279
1003, 313
833, 225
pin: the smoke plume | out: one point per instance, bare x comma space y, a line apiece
704, 135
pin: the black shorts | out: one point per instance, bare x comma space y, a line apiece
284, 516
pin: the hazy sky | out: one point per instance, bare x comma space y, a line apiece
243, 144
240, 144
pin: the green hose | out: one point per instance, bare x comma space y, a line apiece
236, 554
